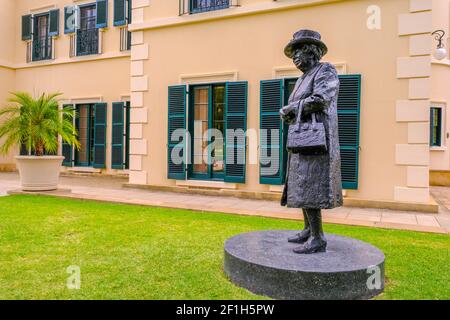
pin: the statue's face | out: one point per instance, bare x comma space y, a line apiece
304, 58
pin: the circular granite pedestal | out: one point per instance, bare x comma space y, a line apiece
263, 262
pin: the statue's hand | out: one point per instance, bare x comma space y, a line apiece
292, 107
289, 113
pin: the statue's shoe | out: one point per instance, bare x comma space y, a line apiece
310, 247
301, 237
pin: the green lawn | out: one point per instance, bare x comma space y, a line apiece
133, 252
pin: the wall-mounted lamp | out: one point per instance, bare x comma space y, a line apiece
440, 52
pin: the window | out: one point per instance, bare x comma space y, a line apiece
38, 30
213, 117
436, 127
85, 127
42, 42
273, 156
90, 123
87, 34
83, 23
207, 112
197, 6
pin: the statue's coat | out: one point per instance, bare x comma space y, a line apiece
314, 181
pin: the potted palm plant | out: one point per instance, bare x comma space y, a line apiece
34, 125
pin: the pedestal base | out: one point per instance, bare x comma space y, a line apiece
263, 262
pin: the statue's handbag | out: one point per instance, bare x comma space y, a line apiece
308, 137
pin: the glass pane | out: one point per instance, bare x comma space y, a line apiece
436, 121
83, 125
290, 87
87, 17
91, 142
219, 125
42, 26
41, 41
201, 102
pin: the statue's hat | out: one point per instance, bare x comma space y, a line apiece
303, 37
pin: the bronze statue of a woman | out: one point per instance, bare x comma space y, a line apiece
313, 182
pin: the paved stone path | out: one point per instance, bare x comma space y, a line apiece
110, 189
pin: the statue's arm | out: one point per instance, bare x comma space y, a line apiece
326, 87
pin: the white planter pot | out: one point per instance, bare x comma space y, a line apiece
39, 173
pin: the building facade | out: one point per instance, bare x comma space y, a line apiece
201, 66
78, 49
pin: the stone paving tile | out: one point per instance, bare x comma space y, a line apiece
399, 218
362, 216
409, 227
339, 210
339, 215
428, 221
250, 205
350, 222
443, 221
369, 211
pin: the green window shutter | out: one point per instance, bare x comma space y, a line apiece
349, 117
27, 27
67, 149
102, 14
54, 22
100, 135
69, 19
120, 8
130, 14
177, 120
271, 101
432, 135
117, 137
127, 135
235, 119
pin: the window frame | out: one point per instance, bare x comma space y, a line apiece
193, 10
89, 147
35, 21
210, 176
127, 135
443, 138
79, 29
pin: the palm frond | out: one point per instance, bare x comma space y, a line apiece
36, 123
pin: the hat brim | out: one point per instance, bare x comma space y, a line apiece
294, 44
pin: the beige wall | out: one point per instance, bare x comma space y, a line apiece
252, 45
441, 18
7, 81
440, 96
7, 74
7, 36
440, 92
